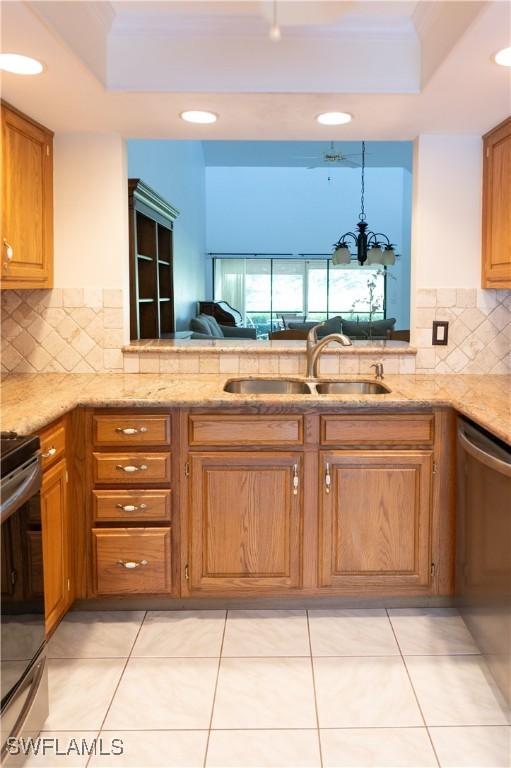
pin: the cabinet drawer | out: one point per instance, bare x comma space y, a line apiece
131, 429
132, 561
131, 506
53, 445
370, 430
131, 468
245, 430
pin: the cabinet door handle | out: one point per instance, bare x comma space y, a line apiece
50, 452
131, 430
131, 564
296, 480
132, 468
9, 250
131, 507
328, 478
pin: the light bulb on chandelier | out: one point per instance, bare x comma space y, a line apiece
275, 34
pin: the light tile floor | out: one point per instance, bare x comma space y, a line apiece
350, 688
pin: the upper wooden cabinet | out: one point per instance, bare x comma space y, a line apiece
496, 268
27, 196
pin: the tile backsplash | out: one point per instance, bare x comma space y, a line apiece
81, 330
257, 361
479, 330
66, 329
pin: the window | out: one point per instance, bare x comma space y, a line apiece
270, 292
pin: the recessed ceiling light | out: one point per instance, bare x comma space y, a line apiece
334, 118
503, 57
19, 65
198, 116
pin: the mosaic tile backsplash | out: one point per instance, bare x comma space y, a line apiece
479, 330
68, 330
81, 330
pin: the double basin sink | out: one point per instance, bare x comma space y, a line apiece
278, 386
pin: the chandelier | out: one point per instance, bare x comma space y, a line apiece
371, 247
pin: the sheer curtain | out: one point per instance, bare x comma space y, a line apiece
230, 283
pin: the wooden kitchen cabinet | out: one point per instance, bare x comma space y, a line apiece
496, 266
235, 504
55, 526
27, 195
132, 561
245, 522
375, 520
132, 459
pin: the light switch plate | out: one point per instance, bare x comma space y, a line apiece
440, 334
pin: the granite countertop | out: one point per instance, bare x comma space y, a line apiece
31, 401
259, 346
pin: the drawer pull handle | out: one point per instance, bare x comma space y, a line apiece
50, 452
132, 468
131, 564
131, 430
131, 507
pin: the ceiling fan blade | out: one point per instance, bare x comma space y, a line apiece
357, 154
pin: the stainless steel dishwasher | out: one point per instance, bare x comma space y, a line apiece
483, 556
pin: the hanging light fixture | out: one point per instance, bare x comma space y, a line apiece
371, 247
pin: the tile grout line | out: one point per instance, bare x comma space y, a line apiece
214, 692
298, 728
314, 690
413, 689
280, 656
119, 681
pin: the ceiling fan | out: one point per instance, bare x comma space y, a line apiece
331, 158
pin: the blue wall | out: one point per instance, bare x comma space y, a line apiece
175, 169
295, 210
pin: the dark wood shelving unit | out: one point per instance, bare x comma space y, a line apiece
151, 224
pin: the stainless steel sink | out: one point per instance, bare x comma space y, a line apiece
267, 387
351, 388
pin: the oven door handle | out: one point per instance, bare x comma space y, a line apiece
485, 458
34, 682
28, 486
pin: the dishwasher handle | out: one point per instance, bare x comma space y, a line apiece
503, 467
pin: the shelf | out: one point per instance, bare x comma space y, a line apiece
151, 266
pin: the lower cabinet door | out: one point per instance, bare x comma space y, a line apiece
375, 520
131, 561
55, 526
245, 522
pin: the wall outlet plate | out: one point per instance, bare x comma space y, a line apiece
440, 334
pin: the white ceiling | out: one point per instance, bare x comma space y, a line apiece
401, 68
